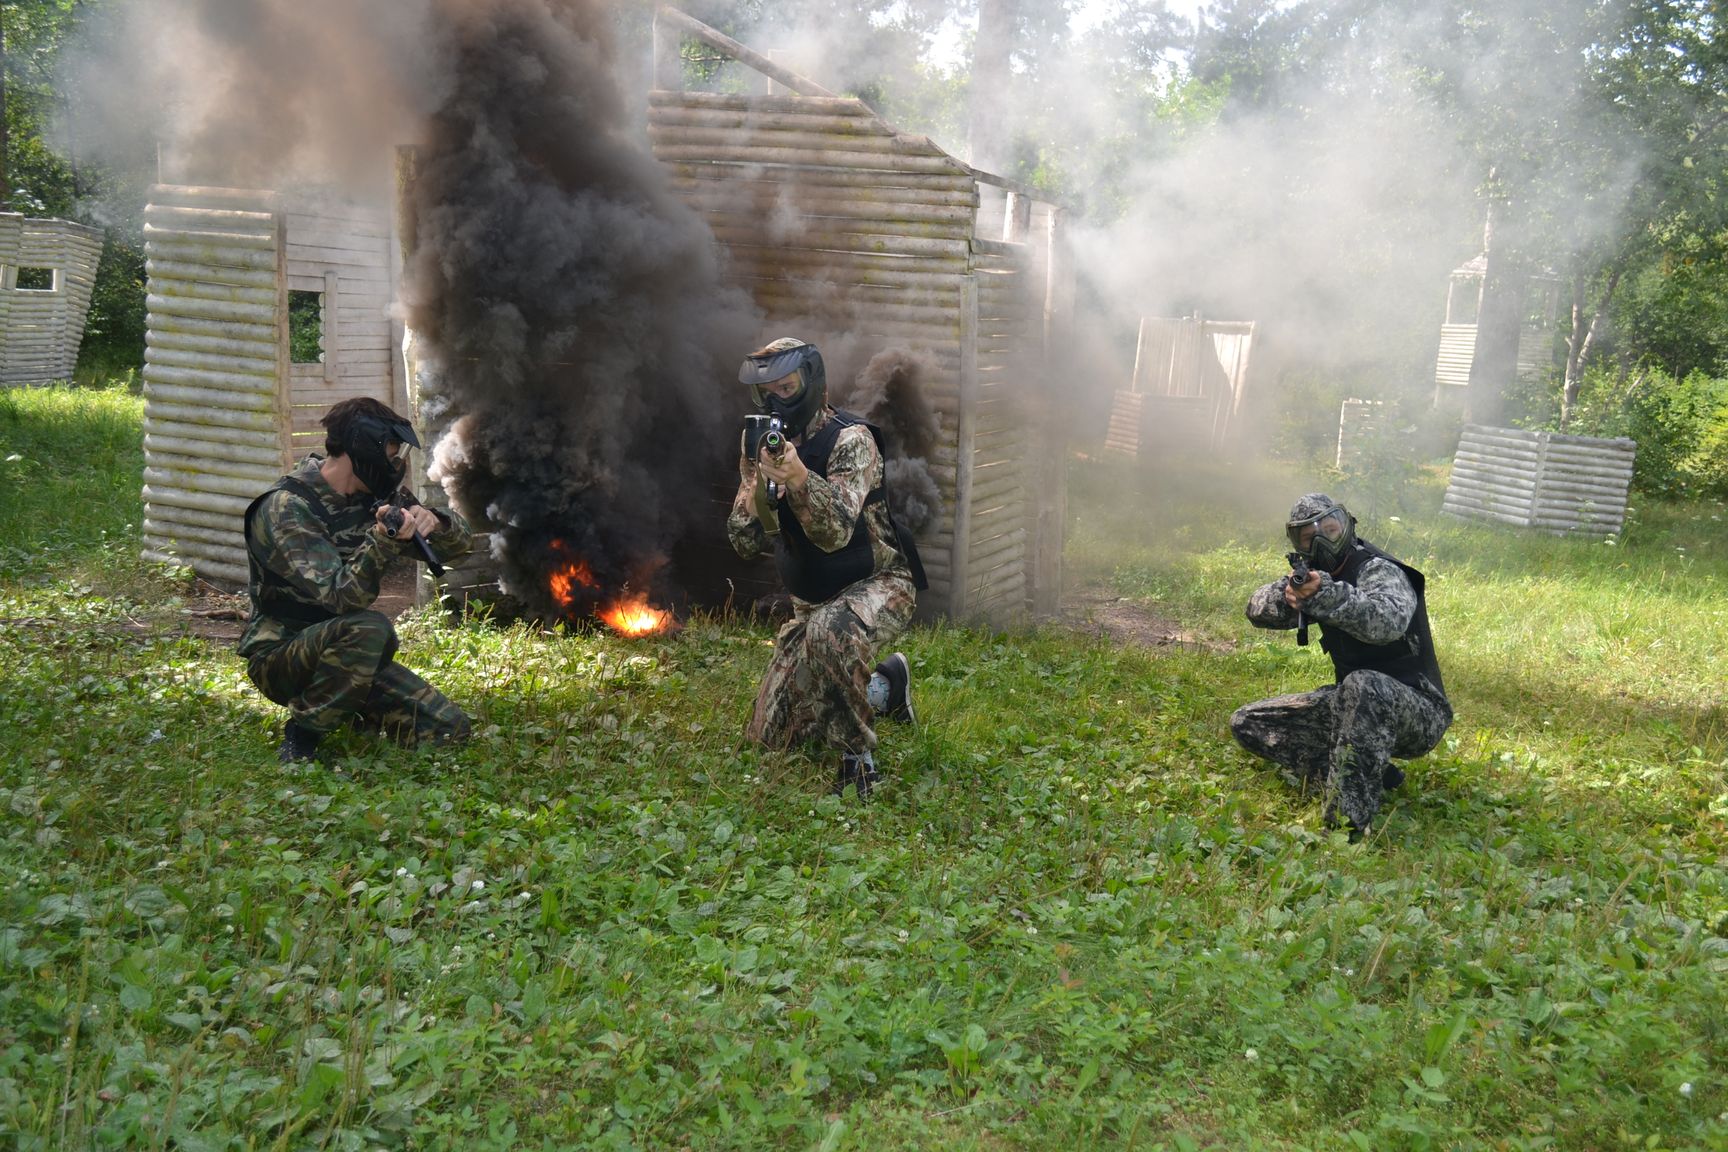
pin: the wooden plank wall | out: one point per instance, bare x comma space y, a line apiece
1541, 480
215, 424
342, 252
1457, 351
41, 329
1360, 422
844, 229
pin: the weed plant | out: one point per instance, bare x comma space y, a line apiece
1077, 917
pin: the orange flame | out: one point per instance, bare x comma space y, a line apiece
564, 581
634, 616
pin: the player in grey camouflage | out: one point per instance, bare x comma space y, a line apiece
318, 549
821, 505
1387, 700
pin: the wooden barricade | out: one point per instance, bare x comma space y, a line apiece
1541, 480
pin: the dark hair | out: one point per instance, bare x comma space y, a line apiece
339, 421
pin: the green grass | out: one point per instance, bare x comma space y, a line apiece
1079, 918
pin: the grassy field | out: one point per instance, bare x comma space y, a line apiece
1078, 918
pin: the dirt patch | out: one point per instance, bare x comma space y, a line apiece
1123, 620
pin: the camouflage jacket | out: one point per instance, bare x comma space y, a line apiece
828, 508
335, 569
1376, 609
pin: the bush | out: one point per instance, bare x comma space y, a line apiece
1680, 426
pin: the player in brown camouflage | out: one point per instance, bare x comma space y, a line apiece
1388, 699
821, 505
318, 543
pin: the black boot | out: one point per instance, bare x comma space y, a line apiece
1392, 778
298, 743
898, 673
857, 771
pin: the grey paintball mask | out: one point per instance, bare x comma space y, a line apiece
1334, 530
781, 358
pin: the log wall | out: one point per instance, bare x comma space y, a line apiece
215, 414
41, 329
1541, 480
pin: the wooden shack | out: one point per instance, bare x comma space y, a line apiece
47, 273
849, 232
263, 310
1457, 353
1187, 388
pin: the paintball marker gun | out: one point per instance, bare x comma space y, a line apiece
1299, 573
764, 434
393, 523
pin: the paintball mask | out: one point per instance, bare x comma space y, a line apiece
369, 440
1334, 530
778, 359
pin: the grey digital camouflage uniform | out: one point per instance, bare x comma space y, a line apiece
815, 689
342, 669
1342, 737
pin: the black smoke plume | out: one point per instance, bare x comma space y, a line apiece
888, 393
572, 328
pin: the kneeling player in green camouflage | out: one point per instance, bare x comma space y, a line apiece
819, 493
318, 542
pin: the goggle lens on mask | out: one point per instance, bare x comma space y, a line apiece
1330, 525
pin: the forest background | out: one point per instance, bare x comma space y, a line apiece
1267, 130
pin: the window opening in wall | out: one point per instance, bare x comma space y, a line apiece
305, 327
36, 279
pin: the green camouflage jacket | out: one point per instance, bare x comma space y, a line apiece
335, 569
828, 509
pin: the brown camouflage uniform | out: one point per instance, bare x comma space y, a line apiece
342, 669
815, 689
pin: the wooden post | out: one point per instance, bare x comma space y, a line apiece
402, 398
284, 370
1016, 217
667, 66
689, 26
1050, 475
967, 422
331, 339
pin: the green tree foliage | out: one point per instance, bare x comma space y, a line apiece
48, 175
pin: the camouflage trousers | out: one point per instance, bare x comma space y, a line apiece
1343, 737
815, 689
343, 670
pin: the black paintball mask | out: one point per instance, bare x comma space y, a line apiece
368, 450
1334, 530
781, 358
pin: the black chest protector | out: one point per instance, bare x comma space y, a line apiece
813, 575
1407, 659
271, 594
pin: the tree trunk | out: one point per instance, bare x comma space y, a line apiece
1583, 335
5, 133
1499, 321
991, 56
